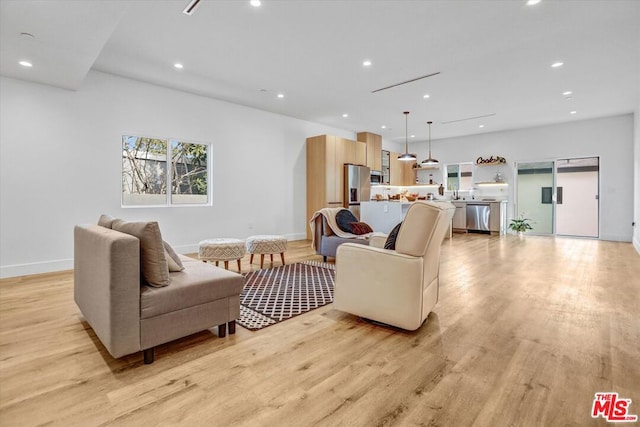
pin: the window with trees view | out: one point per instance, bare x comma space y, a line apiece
159, 171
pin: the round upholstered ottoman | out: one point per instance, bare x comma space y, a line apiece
266, 244
222, 249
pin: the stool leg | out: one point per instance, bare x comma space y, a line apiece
271, 255
282, 257
239, 270
222, 330
261, 261
226, 265
251, 259
232, 327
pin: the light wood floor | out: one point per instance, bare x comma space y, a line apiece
525, 332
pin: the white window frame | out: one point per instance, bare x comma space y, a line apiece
169, 173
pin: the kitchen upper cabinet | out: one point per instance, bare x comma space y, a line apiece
361, 153
409, 173
401, 172
373, 149
395, 169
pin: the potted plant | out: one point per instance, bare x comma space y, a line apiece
520, 225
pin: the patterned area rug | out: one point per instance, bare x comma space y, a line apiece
276, 294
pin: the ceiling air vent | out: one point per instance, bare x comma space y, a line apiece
405, 82
468, 118
191, 7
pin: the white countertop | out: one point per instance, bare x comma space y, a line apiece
405, 202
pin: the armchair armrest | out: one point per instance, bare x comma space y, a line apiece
106, 286
379, 284
378, 239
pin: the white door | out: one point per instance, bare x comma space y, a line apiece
577, 194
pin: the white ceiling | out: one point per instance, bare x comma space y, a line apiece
494, 57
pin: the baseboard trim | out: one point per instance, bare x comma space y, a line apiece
636, 244
18, 270
296, 236
615, 238
28, 269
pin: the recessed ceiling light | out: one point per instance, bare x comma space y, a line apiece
573, 112
26, 64
481, 126
178, 65
567, 93
532, 2
383, 126
557, 64
366, 63
426, 96
255, 3
412, 136
280, 95
345, 115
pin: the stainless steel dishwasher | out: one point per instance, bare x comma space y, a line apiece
478, 217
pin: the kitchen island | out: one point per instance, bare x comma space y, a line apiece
383, 215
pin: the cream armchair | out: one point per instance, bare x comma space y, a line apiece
399, 288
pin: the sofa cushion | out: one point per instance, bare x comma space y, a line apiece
344, 218
329, 245
173, 260
197, 284
153, 263
391, 239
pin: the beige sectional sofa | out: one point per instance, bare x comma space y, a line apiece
127, 314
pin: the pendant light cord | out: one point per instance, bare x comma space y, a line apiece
406, 132
429, 123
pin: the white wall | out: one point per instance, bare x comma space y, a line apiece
60, 164
636, 156
610, 138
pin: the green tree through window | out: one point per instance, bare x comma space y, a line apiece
146, 178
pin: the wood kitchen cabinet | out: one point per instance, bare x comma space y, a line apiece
360, 153
326, 157
408, 173
373, 145
401, 172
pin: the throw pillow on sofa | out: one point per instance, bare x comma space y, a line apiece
360, 228
106, 221
153, 262
391, 239
344, 218
173, 260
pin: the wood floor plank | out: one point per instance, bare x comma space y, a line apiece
526, 330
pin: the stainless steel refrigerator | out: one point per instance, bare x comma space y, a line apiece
357, 187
